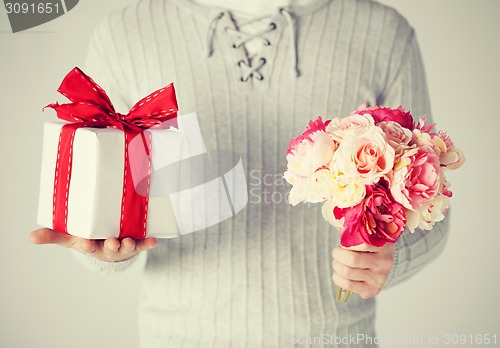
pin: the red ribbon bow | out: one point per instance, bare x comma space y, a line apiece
91, 107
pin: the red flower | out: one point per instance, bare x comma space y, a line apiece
381, 114
377, 220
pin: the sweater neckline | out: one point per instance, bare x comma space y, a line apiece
253, 67
298, 10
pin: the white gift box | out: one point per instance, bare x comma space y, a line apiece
181, 200
95, 191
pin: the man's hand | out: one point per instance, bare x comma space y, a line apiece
362, 269
111, 250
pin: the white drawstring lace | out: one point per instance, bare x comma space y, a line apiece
211, 33
249, 71
293, 34
244, 37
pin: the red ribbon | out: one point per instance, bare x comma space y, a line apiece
91, 107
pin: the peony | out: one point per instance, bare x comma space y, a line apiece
377, 220
366, 157
309, 152
381, 114
341, 128
314, 126
309, 156
327, 212
416, 179
452, 159
423, 126
449, 156
315, 188
429, 213
346, 190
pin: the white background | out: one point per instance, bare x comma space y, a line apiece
47, 299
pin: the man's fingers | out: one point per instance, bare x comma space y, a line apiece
127, 245
351, 285
88, 246
48, 236
110, 249
351, 273
111, 246
146, 244
355, 259
130, 247
363, 269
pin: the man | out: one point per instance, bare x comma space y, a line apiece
262, 277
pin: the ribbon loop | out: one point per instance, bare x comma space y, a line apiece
78, 87
90, 103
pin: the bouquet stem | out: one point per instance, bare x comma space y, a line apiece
346, 295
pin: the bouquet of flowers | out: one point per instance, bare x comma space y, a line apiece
377, 172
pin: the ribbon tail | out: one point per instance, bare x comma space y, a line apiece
90, 114
62, 112
134, 214
62, 177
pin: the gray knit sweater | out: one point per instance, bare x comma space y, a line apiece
263, 277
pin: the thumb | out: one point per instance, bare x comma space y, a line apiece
363, 248
48, 236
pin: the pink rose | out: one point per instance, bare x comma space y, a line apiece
377, 220
381, 114
341, 128
365, 157
397, 136
416, 179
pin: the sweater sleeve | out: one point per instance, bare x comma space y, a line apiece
407, 87
105, 267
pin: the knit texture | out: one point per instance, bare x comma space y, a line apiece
263, 277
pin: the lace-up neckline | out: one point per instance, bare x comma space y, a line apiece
248, 36
253, 47
242, 37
